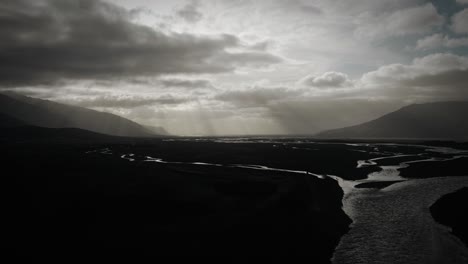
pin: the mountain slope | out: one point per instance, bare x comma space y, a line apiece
9, 121
33, 134
50, 114
441, 120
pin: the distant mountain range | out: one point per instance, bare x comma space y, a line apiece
440, 120
17, 110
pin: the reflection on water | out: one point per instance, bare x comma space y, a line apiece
394, 225
243, 166
128, 157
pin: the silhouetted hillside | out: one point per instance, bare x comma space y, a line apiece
50, 114
9, 121
35, 135
441, 120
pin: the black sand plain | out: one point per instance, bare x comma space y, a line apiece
64, 203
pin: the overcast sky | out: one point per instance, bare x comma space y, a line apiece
216, 67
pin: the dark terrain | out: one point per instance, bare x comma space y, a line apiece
455, 167
452, 211
68, 204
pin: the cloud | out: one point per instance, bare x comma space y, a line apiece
46, 41
185, 83
190, 12
441, 76
440, 41
431, 42
372, 6
257, 96
127, 102
407, 21
414, 20
463, 2
460, 22
433, 64
306, 7
260, 46
328, 80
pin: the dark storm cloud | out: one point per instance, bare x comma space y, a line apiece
45, 41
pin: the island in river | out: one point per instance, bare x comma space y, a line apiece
452, 211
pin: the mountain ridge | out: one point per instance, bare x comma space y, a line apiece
435, 120
50, 114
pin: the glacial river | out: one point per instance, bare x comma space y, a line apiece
392, 225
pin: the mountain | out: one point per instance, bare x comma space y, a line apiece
9, 121
439, 120
34, 134
43, 113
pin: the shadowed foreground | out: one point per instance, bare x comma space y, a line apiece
64, 202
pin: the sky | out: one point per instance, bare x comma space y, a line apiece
237, 67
